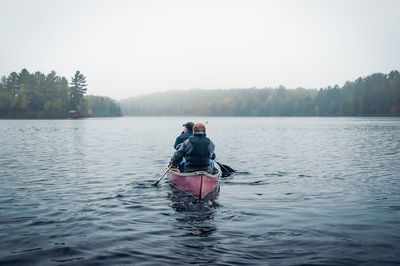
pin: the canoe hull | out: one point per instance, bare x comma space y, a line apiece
201, 185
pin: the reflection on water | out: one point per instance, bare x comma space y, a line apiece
194, 216
194, 224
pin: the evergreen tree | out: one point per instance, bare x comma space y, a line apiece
77, 90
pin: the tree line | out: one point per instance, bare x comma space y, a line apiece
375, 95
37, 95
101, 106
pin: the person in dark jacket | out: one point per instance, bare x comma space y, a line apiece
198, 150
187, 132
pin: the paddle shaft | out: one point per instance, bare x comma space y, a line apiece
161, 177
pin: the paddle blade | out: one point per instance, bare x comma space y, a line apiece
226, 170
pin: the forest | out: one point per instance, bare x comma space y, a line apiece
374, 95
102, 106
37, 95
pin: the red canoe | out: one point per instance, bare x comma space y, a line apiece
199, 184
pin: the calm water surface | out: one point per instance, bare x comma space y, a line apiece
308, 191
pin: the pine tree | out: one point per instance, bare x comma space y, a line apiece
77, 90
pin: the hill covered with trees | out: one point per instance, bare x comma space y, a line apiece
101, 106
37, 95
374, 95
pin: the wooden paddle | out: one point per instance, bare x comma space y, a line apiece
161, 177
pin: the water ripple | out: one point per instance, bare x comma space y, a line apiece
320, 191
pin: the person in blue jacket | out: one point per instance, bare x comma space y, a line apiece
187, 132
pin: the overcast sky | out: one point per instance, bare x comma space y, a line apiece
128, 48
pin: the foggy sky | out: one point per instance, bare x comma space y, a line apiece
128, 48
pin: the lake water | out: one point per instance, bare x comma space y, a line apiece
308, 191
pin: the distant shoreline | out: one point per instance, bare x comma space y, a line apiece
28, 95
58, 118
249, 116
375, 95
211, 116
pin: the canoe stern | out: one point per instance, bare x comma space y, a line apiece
199, 184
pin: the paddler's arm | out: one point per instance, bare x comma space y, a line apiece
212, 149
178, 141
180, 153
213, 156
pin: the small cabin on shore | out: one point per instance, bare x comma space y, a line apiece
74, 114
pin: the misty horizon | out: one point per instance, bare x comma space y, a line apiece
212, 89
127, 48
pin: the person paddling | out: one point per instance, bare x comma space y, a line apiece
187, 132
198, 150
